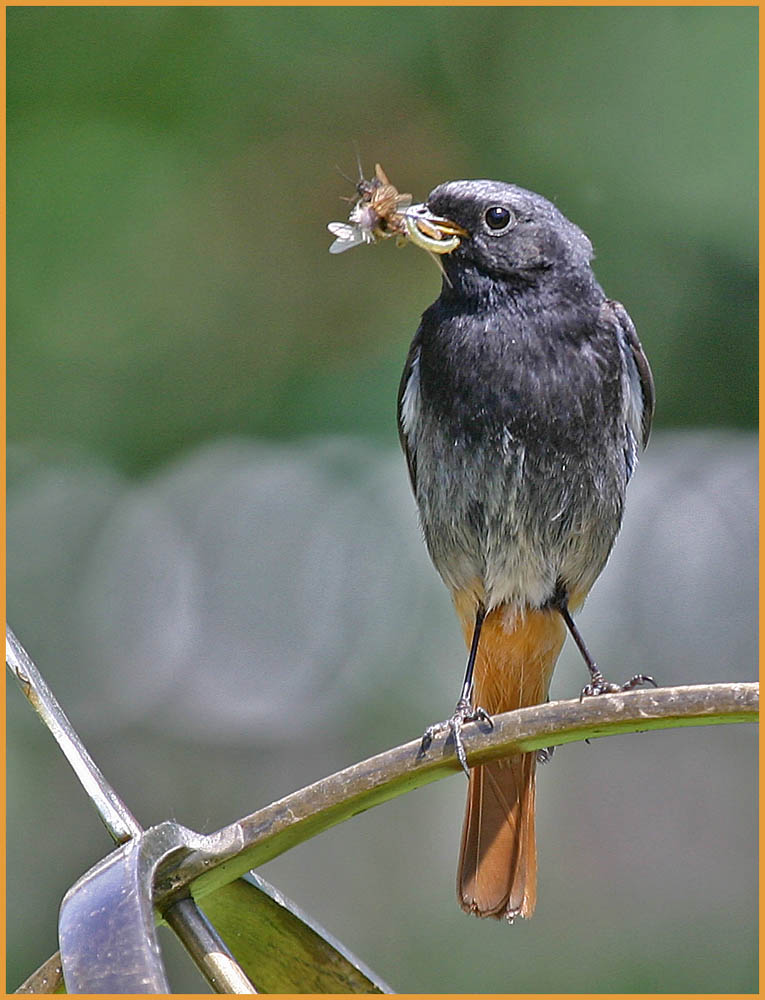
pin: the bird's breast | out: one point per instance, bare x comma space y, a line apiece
519, 467
487, 376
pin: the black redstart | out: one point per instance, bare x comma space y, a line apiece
524, 403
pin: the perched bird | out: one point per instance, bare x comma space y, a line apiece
524, 403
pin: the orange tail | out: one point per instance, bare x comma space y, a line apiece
497, 875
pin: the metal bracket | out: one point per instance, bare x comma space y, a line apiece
107, 923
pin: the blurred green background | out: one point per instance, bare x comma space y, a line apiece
170, 175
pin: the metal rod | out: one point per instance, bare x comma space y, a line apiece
207, 948
115, 815
297, 817
49, 978
196, 933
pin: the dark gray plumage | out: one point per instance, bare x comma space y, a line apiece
525, 400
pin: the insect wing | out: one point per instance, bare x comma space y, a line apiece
347, 236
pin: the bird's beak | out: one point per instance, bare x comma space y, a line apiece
431, 232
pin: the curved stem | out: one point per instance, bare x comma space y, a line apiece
273, 830
301, 815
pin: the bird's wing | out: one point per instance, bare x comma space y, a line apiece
639, 378
409, 409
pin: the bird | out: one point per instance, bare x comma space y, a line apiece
524, 404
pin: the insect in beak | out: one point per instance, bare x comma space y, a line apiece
376, 213
432, 232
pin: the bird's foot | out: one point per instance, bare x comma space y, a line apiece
463, 713
599, 685
545, 755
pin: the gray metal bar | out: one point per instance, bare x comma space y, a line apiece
115, 815
207, 948
106, 925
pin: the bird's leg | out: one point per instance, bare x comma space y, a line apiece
598, 684
463, 711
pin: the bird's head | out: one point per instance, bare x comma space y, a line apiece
497, 230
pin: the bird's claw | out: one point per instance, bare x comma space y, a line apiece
599, 685
544, 755
463, 713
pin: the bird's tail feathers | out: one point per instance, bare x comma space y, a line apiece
497, 872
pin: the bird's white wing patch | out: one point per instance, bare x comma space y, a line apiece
410, 403
634, 414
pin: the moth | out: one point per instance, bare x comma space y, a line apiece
377, 214
381, 211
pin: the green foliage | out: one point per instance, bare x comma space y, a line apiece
171, 172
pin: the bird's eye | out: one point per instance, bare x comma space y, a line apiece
498, 218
